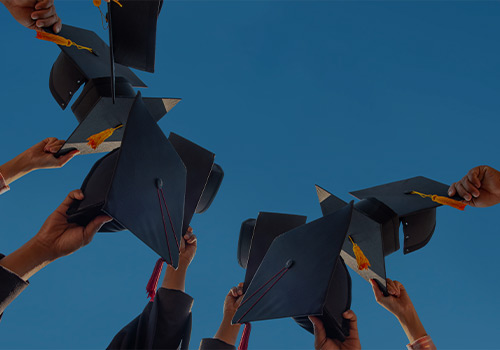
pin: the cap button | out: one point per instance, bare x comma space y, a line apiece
289, 263
159, 183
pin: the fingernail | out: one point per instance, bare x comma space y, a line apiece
34, 17
39, 25
475, 195
467, 197
449, 192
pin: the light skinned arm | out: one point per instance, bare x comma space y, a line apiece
34, 14
176, 279
56, 238
40, 156
479, 188
399, 304
228, 332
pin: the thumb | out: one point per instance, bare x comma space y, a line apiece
319, 332
94, 226
376, 291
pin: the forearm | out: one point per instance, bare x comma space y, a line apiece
227, 332
27, 260
175, 279
15, 168
412, 326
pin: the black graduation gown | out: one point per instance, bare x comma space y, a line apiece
215, 344
165, 323
11, 285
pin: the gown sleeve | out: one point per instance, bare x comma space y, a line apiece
164, 323
11, 285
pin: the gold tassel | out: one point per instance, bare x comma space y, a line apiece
95, 141
59, 40
442, 200
361, 259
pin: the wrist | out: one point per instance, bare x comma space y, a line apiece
227, 332
411, 324
27, 260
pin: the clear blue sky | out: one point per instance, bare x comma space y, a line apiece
345, 94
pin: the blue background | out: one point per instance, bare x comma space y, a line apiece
288, 94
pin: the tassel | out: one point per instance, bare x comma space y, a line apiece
59, 40
97, 3
153, 281
95, 141
361, 259
442, 200
245, 337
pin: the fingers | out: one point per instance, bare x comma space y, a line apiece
44, 13
392, 288
53, 146
72, 196
462, 192
94, 226
353, 320
473, 176
452, 190
48, 22
189, 237
319, 332
44, 4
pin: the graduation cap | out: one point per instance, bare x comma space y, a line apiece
102, 122
75, 67
256, 236
374, 230
201, 188
141, 185
133, 32
302, 275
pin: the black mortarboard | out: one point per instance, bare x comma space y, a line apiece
376, 218
211, 189
244, 241
75, 67
96, 112
199, 164
133, 32
267, 227
302, 275
141, 185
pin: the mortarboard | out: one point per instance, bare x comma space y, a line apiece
133, 32
141, 185
97, 114
376, 218
75, 67
302, 275
199, 164
266, 228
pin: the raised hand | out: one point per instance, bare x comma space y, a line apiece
34, 14
399, 304
60, 238
228, 332
479, 188
39, 156
321, 342
55, 239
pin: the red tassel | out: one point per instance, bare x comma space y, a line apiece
245, 337
155, 277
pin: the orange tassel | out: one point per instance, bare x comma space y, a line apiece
95, 141
97, 3
59, 40
442, 200
361, 259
